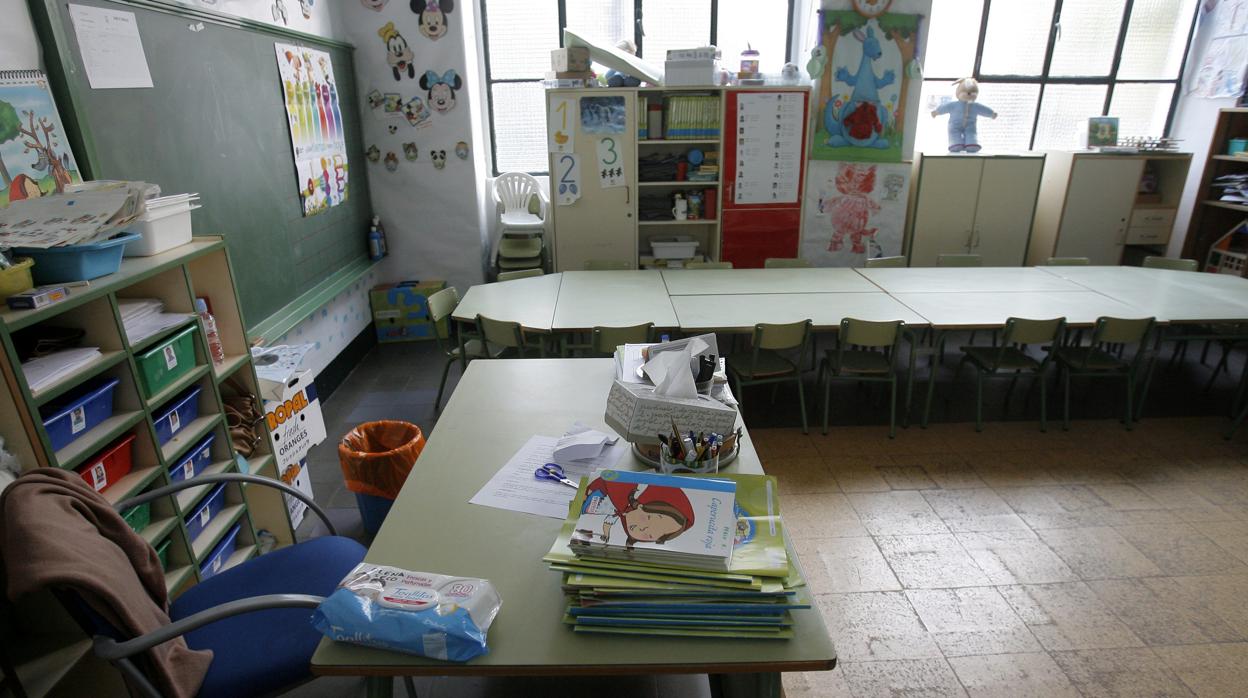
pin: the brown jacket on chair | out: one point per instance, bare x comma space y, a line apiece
57, 532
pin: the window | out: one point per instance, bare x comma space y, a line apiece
520, 35
1045, 66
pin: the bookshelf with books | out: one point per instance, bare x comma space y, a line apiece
1222, 199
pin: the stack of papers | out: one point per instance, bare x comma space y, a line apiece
145, 317
163, 206
46, 370
752, 598
86, 213
1234, 188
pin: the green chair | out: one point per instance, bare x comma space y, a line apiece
1067, 262
766, 365
1171, 263
505, 334
604, 340
785, 263
523, 274
441, 305
959, 260
709, 265
1010, 356
1103, 358
608, 265
865, 351
887, 262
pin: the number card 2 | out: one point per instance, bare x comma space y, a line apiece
567, 178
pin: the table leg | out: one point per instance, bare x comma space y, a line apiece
379, 686
764, 685
463, 355
938, 342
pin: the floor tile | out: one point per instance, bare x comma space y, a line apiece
875, 626
906, 477
1015, 557
827, 515
930, 561
842, 565
1224, 595
1186, 503
970, 621
801, 475
1181, 549
1161, 618
913, 677
1032, 675
1068, 616
1120, 673
1231, 536
857, 474
953, 474
973, 510
816, 684
1098, 553
896, 513
997, 471
1209, 670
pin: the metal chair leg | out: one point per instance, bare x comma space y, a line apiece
827, 399
979, 400
1044, 411
410, 686
801, 402
1065, 398
892, 407
442, 384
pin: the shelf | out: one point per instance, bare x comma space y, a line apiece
686, 183
257, 463
678, 141
189, 497
227, 369
189, 435
697, 221
176, 577
156, 531
1230, 158
77, 451
105, 361
133, 483
1225, 204
42, 661
147, 342
182, 383
240, 556
215, 530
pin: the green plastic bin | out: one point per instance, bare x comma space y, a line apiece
162, 551
164, 363
138, 517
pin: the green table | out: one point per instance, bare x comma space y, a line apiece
497, 406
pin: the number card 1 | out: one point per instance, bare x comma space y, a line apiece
567, 181
610, 165
560, 134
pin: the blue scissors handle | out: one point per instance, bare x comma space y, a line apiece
553, 473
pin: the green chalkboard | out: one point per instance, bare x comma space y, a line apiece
215, 123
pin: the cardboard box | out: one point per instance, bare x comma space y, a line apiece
639, 415
694, 72
401, 311
295, 421
570, 59
296, 475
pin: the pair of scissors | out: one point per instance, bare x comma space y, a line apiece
553, 473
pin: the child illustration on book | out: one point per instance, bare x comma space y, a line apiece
634, 513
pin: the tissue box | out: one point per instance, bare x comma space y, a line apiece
639, 415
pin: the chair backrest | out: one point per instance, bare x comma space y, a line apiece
887, 262
959, 260
442, 303
1067, 262
869, 333
606, 339
521, 274
514, 189
709, 265
785, 263
1026, 331
501, 332
1113, 330
607, 265
785, 336
1171, 263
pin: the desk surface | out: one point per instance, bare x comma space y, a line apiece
433, 528
531, 302
700, 282
992, 309
959, 279
1170, 296
740, 312
612, 299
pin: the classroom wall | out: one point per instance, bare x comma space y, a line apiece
322, 17
332, 327
19, 47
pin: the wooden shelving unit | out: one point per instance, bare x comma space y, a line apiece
1212, 218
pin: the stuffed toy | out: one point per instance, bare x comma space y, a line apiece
963, 113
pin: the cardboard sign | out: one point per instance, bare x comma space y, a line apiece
295, 421
296, 475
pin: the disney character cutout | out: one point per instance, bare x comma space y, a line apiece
399, 54
433, 14
637, 513
963, 113
438, 157
409, 151
374, 5
461, 150
851, 211
392, 161
441, 89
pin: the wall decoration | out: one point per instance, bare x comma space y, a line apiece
315, 121
1220, 71
861, 106
603, 115
392, 129
409, 151
560, 136
438, 157
461, 150
415, 111
433, 16
394, 101
610, 165
1102, 131
305, 8
441, 89
374, 5
567, 184
857, 212
398, 53
392, 161
34, 156
373, 153
376, 100
279, 12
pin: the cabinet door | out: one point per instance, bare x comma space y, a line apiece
1007, 200
602, 224
1099, 199
945, 213
753, 235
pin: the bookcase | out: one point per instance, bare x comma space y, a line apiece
1213, 218
200, 268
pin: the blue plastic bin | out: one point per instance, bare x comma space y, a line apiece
194, 462
216, 559
77, 262
212, 505
173, 417
373, 511
72, 416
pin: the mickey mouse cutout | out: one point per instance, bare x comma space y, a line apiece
398, 53
441, 89
433, 16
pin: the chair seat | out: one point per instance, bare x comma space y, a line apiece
858, 361
1089, 358
1012, 359
521, 219
476, 349
262, 652
520, 247
515, 263
769, 365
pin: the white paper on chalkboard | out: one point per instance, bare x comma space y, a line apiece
112, 50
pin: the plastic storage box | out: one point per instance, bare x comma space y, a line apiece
139, 517
82, 410
674, 247
179, 412
161, 229
194, 462
167, 361
162, 552
109, 465
216, 559
204, 513
77, 262
16, 278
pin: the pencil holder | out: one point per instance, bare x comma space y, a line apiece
669, 465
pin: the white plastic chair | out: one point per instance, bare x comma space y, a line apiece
512, 191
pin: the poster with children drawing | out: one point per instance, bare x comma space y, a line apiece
854, 211
317, 134
35, 159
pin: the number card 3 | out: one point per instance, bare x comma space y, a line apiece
610, 164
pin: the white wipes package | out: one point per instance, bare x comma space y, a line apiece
430, 615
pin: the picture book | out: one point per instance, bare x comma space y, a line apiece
35, 159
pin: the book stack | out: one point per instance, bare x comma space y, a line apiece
692, 556
691, 117
1234, 188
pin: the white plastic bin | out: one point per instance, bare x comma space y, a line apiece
674, 247
162, 229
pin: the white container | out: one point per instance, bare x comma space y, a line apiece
674, 247
162, 229
688, 73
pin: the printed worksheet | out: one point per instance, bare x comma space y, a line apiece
768, 130
515, 488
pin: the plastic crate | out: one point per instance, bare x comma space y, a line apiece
194, 462
82, 410
216, 559
16, 278
109, 465
179, 412
164, 363
162, 552
77, 262
204, 513
138, 517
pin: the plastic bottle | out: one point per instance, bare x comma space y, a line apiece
210, 332
385, 244
376, 243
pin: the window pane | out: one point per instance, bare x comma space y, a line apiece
603, 21
520, 37
1089, 34
1141, 108
671, 24
1064, 112
740, 23
951, 38
1156, 38
519, 126
1015, 105
1017, 37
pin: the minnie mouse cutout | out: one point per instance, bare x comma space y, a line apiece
441, 89
433, 16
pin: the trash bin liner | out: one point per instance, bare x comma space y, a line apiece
377, 456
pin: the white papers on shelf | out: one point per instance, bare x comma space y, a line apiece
45, 370
514, 488
112, 50
144, 317
769, 147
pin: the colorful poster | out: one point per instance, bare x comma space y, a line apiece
861, 102
855, 211
35, 159
317, 134
769, 137
603, 115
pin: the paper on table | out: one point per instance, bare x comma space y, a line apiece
582, 442
514, 488
112, 50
